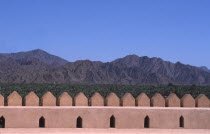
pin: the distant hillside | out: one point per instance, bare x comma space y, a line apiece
40, 67
38, 54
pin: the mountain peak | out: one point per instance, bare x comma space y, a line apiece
129, 60
37, 50
132, 56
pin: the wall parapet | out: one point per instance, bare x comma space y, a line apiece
48, 99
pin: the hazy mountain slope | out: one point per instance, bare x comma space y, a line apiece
36, 54
33, 67
205, 69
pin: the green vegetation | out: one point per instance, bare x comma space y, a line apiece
104, 90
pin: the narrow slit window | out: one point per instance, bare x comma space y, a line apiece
112, 122
79, 122
146, 122
42, 122
181, 122
2, 122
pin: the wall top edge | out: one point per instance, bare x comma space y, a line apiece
102, 107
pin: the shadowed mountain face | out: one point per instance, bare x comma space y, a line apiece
38, 66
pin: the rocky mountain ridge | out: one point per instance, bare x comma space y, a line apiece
38, 66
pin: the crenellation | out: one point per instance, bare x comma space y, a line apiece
187, 101
81, 100
14, 99
172, 101
31, 99
112, 100
157, 100
65, 99
48, 99
128, 100
97, 100
202, 101
1, 100
143, 100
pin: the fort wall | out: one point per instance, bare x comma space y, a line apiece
97, 112
99, 117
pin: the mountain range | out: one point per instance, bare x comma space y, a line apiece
38, 66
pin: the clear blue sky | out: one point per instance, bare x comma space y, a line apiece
174, 30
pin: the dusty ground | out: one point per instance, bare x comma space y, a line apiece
101, 131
